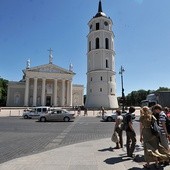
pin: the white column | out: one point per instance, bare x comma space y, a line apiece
35, 92
26, 91
63, 93
71, 93
55, 92
43, 92
68, 93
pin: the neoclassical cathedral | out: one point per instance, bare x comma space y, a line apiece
48, 85
101, 84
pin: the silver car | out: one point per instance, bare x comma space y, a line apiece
57, 115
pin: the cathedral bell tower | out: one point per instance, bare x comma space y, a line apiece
101, 85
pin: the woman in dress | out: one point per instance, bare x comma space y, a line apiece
153, 151
118, 129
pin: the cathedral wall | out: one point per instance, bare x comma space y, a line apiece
15, 94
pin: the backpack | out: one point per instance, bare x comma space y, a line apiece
168, 124
124, 124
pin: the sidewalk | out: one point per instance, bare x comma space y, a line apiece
92, 155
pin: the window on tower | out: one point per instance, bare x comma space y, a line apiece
101, 89
97, 26
107, 64
89, 45
97, 43
106, 23
107, 43
101, 78
91, 27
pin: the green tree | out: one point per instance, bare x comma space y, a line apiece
163, 89
135, 97
3, 92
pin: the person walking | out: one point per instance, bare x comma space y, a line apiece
162, 124
85, 112
130, 133
152, 150
167, 112
78, 111
118, 129
102, 111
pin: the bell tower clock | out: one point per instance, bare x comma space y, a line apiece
101, 85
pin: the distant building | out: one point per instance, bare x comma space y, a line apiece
46, 84
101, 84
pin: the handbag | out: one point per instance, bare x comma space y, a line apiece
115, 137
155, 129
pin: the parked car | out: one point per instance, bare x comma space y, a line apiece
35, 112
57, 115
112, 116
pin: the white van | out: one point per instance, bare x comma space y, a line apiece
35, 112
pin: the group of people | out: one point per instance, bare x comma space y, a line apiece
156, 147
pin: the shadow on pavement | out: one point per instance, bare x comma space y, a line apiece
106, 149
139, 158
152, 167
136, 168
115, 160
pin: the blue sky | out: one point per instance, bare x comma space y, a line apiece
28, 28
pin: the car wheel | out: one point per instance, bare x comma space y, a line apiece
109, 119
42, 119
25, 117
66, 119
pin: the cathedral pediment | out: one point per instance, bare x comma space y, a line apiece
49, 68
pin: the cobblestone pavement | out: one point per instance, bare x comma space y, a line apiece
90, 155
20, 137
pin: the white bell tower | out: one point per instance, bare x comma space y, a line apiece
101, 85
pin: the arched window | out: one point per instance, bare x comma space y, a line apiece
89, 45
107, 64
97, 43
107, 43
97, 26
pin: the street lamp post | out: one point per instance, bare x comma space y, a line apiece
123, 95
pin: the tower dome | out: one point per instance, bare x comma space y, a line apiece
100, 12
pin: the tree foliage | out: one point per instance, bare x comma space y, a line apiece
135, 97
163, 89
3, 92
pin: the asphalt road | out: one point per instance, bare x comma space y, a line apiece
20, 137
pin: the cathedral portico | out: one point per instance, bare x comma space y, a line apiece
47, 84
45, 91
